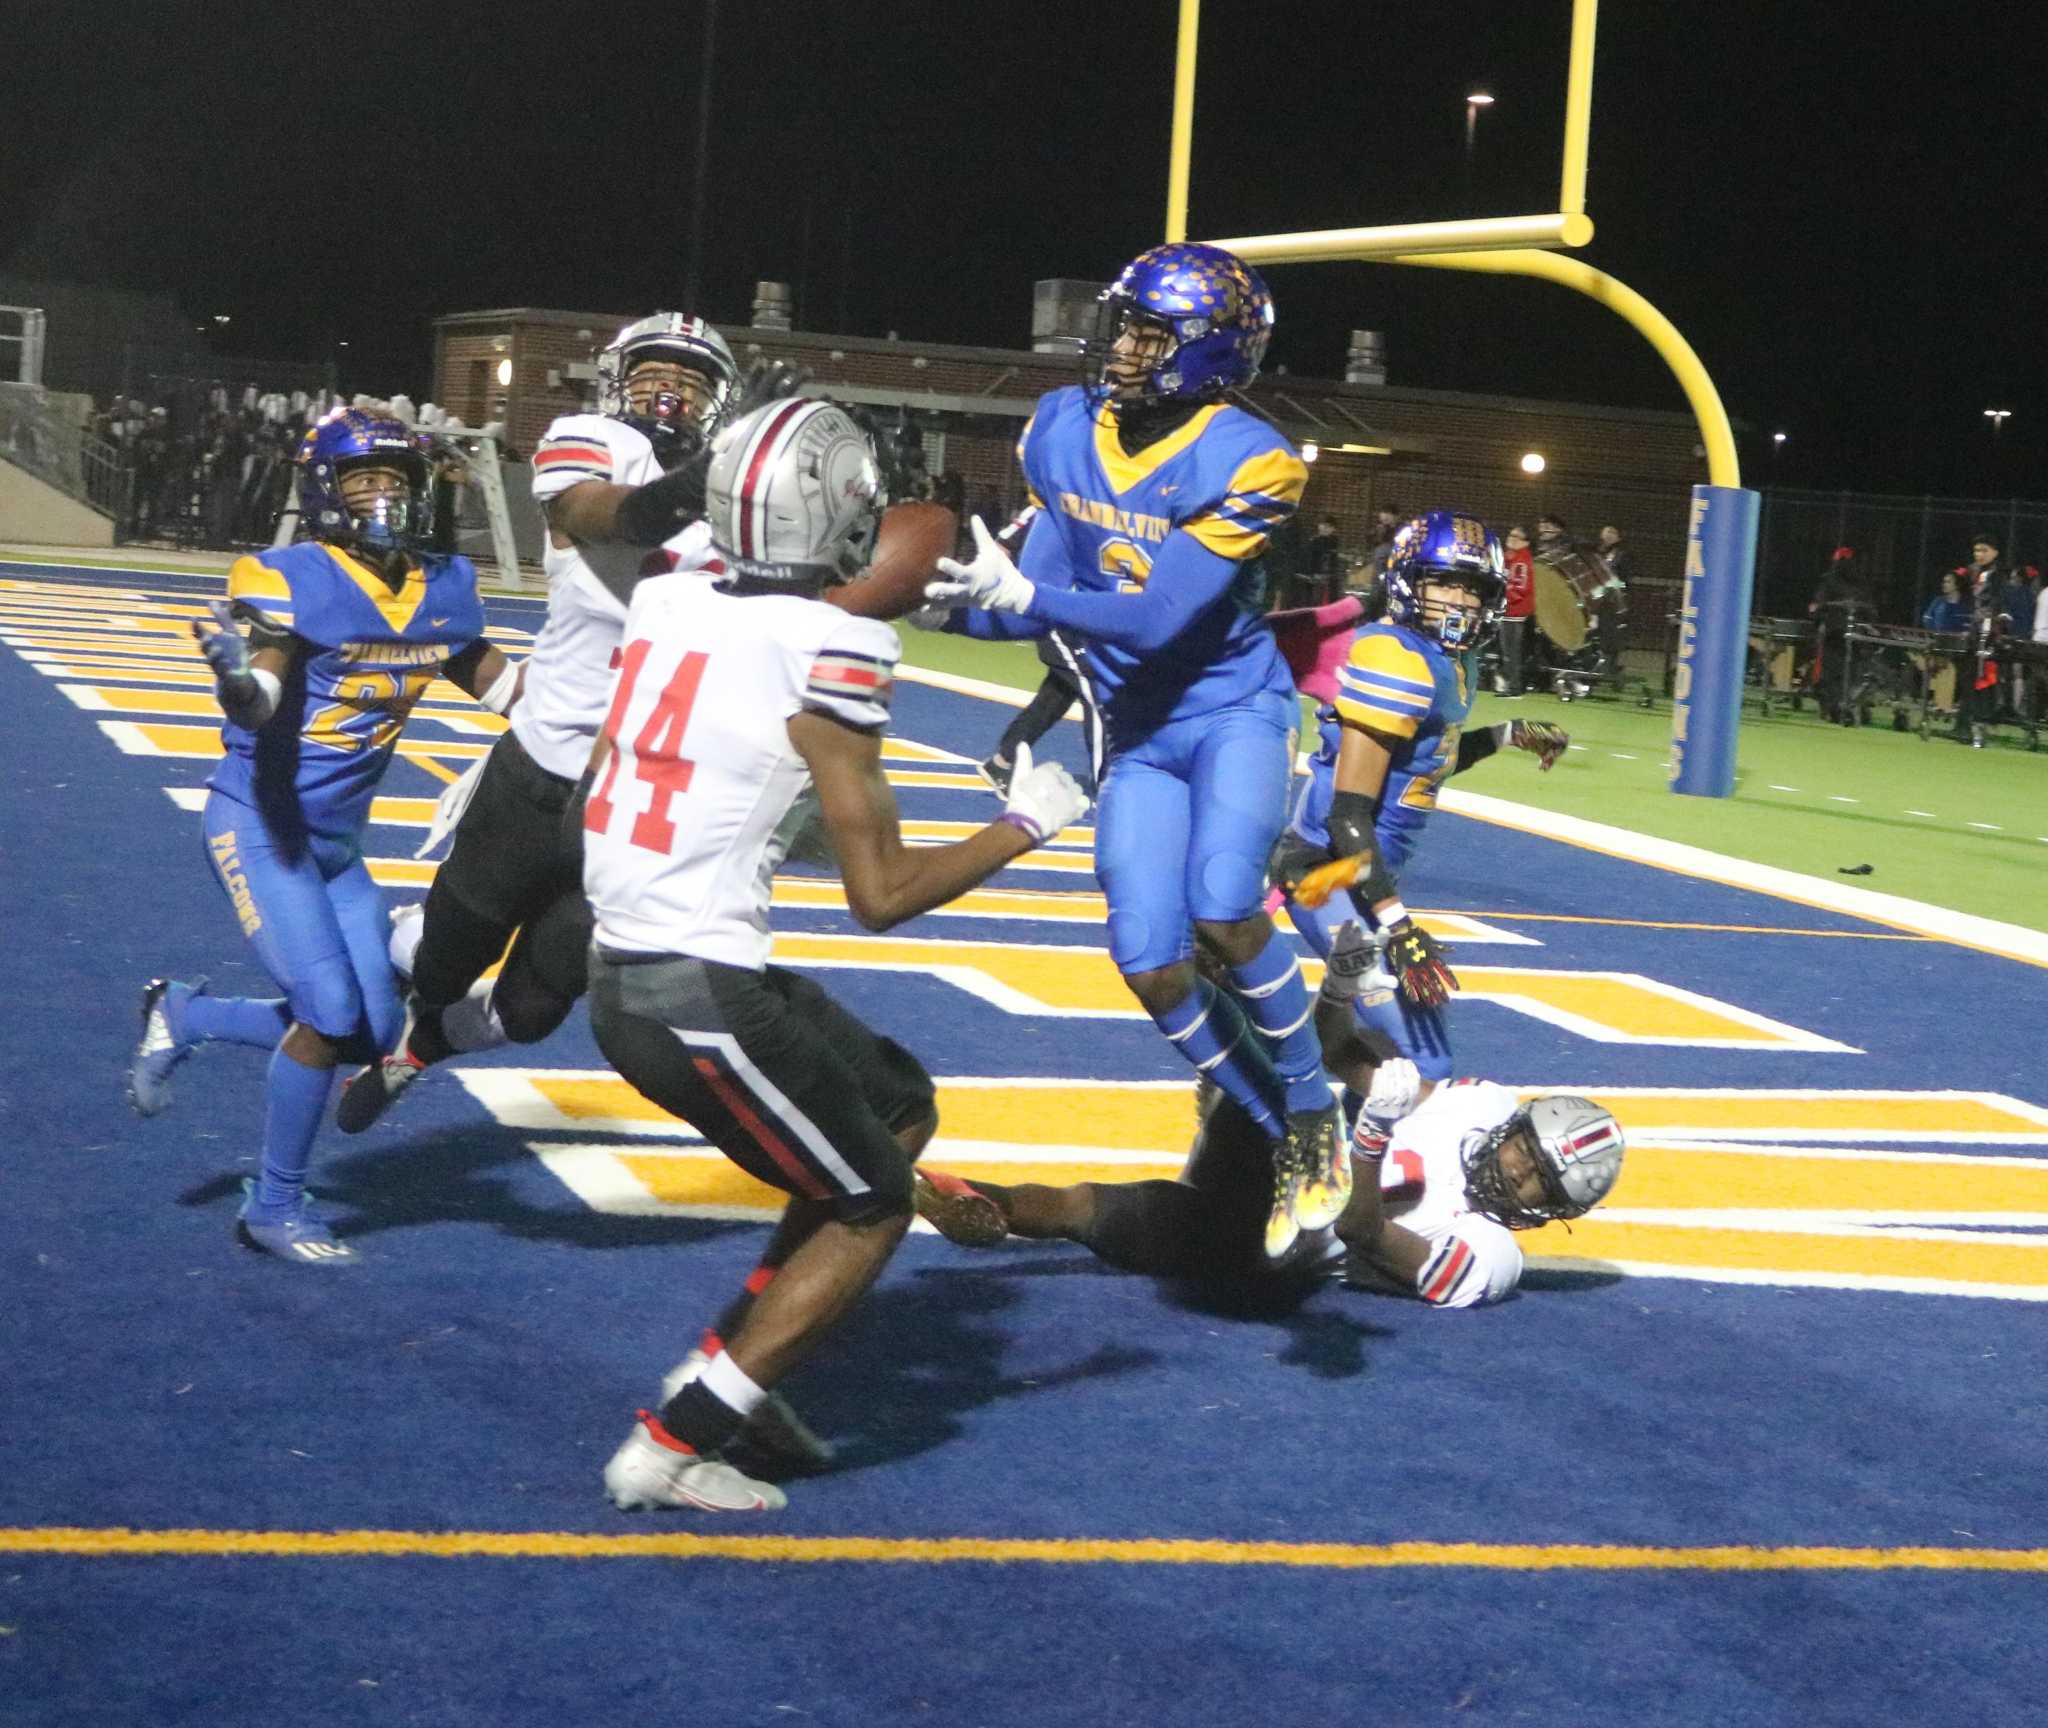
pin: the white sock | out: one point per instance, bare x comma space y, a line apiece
727, 1381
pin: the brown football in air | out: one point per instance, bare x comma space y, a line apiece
913, 538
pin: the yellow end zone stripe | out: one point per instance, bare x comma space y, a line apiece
1150, 1121
79, 1540
163, 738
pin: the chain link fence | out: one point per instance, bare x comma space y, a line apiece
1903, 545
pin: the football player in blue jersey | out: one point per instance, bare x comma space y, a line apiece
319, 652
1157, 496
1395, 731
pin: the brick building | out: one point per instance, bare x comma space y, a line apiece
1374, 444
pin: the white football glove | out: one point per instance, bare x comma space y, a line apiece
1043, 798
448, 808
1396, 1086
1353, 953
990, 581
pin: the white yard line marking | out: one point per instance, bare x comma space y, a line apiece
1966, 929
1988, 827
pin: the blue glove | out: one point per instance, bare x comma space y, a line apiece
225, 648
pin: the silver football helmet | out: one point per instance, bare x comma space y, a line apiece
794, 494
667, 415
1574, 1147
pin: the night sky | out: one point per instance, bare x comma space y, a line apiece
1846, 224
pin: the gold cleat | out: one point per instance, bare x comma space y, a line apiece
1323, 1188
1283, 1229
957, 1210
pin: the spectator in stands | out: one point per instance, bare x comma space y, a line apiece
1551, 535
1386, 523
1323, 560
1516, 610
151, 448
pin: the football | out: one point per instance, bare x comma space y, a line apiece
913, 538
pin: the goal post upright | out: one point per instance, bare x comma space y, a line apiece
1180, 154
1721, 537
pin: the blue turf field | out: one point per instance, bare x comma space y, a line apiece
1718, 1404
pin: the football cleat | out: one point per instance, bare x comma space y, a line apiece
160, 1050
651, 1471
956, 1209
774, 1432
1283, 1229
368, 1094
295, 1235
997, 773
1324, 1163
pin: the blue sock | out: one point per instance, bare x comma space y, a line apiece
199, 1019
1207, 1027
295, 1100
1279, 1005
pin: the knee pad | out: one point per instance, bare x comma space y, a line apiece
329, 1000
525, 1009
547, 970
455, 948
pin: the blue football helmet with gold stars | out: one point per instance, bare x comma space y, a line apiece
1445, 549
346, 491
1182, 323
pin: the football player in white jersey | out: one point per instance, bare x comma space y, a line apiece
733, 695
623, 491
1460, 1172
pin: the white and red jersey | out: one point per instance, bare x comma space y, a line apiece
1422, 1184
570, 671
680, 845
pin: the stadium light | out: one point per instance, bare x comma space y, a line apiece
1533, 463
1998, 417
1778, 438
1474, 101
1311, 450
504, 371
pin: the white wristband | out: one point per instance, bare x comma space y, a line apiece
498, 698
263, 704
1389, 914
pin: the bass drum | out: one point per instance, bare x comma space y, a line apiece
1565, 581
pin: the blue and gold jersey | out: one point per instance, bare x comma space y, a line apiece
366, 653
1413, 693
1224, 477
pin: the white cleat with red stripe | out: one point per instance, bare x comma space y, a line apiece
653, 1472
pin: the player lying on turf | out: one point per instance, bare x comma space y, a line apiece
732, 695
320, 652
1456, 1174
623, 492
1158, 495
